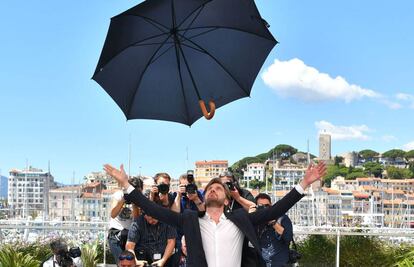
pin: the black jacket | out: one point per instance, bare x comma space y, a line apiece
188, 223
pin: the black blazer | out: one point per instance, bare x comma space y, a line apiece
187, 222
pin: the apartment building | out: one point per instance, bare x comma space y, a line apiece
28, 191
206, 170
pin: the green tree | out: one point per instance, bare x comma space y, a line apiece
409, 154
368, 153
317, 250
373, 168
332, 172
355, 174
394, 153
338, 160
398, 173
283, 151
354, 250
257, 184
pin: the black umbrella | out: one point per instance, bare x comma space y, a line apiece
163, 58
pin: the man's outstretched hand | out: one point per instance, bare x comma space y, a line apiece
119, 175
313, 173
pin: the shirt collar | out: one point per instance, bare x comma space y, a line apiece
222, 217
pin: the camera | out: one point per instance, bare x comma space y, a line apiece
231, 185
191, 188
65, 258
294, 256
190, 176
126, 199
125, 213
137, 183
163, 188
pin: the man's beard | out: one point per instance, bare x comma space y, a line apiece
217, 203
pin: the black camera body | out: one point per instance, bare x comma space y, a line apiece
163, 188
231, 185
127, 201
66, 257
191, 188
294, 256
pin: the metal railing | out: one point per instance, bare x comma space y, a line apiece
21, 228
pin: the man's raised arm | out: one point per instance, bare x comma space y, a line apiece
154, 210
312, 174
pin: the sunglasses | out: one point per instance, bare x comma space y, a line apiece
126, 257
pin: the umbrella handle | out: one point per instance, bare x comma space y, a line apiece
207, 115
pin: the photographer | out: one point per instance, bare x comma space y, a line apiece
121, 218
160, 190
188, 196
274, 237
62, 257
151, 240
240, 197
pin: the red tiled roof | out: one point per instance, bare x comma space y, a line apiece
94, 184
357, 194
331, 191
205, 162
91, 195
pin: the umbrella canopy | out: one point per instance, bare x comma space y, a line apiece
163, 58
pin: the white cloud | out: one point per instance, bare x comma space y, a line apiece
406, 98
409, 146
388, 138
343, 132
390, 104
293, 78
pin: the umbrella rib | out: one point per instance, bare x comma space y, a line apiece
142, 75
229, 28
192, 12
177, 56
189, 71
161, 54
195, 17
133, 44
152, 22
194, 36
202, 50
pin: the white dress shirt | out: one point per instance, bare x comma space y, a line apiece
222, 242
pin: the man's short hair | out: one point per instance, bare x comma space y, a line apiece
163, 175
136, 182
218, 181
262, 196
58, 245
183, 176
228, 174
127, 253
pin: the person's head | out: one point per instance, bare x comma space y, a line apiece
126, 259
216, 194
183, 179
58, 246
183, 246
263, 199
150, 220
60, 250
227, 176
162, 178
136, 182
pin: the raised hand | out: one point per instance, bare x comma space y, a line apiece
313, 173
119, 175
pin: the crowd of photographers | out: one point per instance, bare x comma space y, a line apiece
137, 239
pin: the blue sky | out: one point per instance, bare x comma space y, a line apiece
343, 66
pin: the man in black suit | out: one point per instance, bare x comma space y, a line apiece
216, 237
